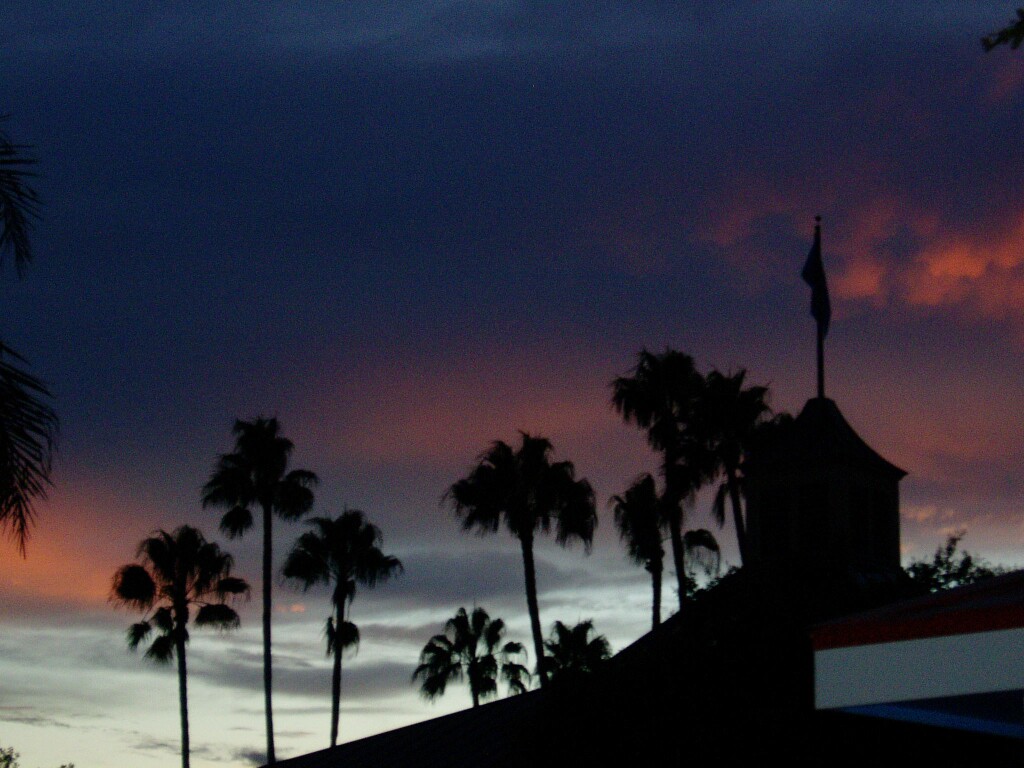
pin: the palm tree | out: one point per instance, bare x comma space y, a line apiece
638, 518
572, 652
731, 416
256, 476
179, 571
523, 489
342, 552
471, 647
28, 425
662, 396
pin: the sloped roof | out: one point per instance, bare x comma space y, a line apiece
451, 741
819, 435
729, 681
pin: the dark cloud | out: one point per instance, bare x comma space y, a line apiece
30, 716
363, 682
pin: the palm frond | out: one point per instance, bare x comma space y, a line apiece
137, 633
217, 615
19, 202
161, 650
133, 586
28, 430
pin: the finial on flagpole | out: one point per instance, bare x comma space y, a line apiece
814, 275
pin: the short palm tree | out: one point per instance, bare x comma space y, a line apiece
731, 416
343, 552
471, 648
572, 652
178, 573
662, 397
256, 476
638, 518
526, 492
28, 425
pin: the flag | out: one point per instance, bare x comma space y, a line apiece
814, 275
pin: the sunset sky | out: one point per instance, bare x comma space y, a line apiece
408, 229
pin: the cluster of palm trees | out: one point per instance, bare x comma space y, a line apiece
180, 572
470, 648
701, 426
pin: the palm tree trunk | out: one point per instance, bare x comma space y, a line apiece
656, 570
737, 513
336, 675
672, 500
268, 568
529, 569
675, 530
183, 699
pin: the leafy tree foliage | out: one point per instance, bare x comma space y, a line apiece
341, 552
179, 573
951, 567
9, 759
522, 489
471, 648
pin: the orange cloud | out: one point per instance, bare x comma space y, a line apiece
85, 531
982, 273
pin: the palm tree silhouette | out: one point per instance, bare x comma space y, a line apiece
572, 652
28, 425
471, 648
256, 475
179, 572
638, 518
731, 417
662, 396
343, 552
528, 493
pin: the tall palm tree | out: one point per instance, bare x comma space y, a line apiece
256, 476
28, 425
471, 648
661, 396
638, 518
179, 572
572, 652
527, 492
343, 552
731, 416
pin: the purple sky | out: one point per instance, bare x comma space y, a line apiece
410, 229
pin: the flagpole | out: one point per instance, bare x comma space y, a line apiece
821, 363
820, 326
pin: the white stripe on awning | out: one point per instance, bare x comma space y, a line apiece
905, 670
